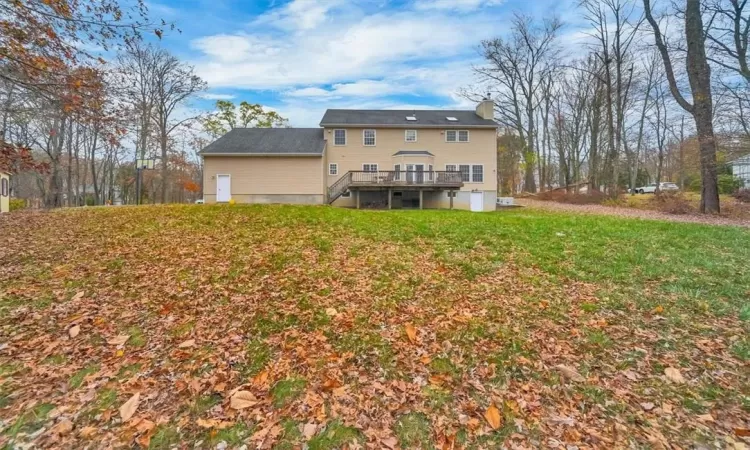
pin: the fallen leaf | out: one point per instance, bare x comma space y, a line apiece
242, 400
145, 425
119, 353
411, 333
647, 406
63, 427
188, 343
706, 418
87, 431
658, 310
742, 432
570, 373
674, 375
128, 408
308, 430
79, 295
74, 330
331, 311
119, 340
206, 423
492, 415
390, 442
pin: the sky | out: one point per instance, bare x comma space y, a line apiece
301, 57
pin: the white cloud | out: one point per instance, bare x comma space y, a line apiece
210, 96
458, 5
351, 48
299, 14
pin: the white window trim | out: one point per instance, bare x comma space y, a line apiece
374, 136
416, 136
335, 166
346, 137
377, 168
457, 141
471, 171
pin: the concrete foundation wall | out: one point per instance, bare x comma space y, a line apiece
432, 200
294, 199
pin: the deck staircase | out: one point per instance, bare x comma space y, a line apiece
338, 188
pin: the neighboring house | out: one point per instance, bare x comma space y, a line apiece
4, 192
362, 158
741, 169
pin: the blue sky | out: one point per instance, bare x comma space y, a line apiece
300, 57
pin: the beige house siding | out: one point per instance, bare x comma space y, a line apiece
4, 193
481, 149
266, 179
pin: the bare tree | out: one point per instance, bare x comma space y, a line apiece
175, 83
699, 76
515, 74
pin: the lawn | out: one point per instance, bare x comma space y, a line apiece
280, 326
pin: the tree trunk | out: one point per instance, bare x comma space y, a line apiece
164, 168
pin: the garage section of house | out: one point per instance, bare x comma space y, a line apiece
265, 165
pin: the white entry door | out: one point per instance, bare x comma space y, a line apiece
477, 201
223, 188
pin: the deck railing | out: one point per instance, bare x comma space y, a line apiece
404, 177
394, 178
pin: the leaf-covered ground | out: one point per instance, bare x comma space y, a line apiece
289, 327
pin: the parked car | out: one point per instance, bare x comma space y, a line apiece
651, 188
199, 201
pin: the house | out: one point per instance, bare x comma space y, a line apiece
4, 192
362, 158
741, 169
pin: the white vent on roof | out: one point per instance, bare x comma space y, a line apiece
411, 118
451, 119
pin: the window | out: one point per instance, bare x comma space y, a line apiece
368, 137
429, 172
477, 173
465, 170
347, 194
456, 135
410, 136
339, 137
397, 169
451, 168
333, 169
411, 118
4, 188
451, 119
369, 167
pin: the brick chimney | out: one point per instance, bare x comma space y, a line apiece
486, 108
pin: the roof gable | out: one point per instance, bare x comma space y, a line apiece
268, 141
428, 118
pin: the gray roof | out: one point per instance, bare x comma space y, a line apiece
268, 141
413, 152
397, 118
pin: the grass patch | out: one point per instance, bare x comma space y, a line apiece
413, 431
290, 437
137, 338
335, 435
77, 379
164, 438
234, 436
286, 391
257, 356
30, 421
